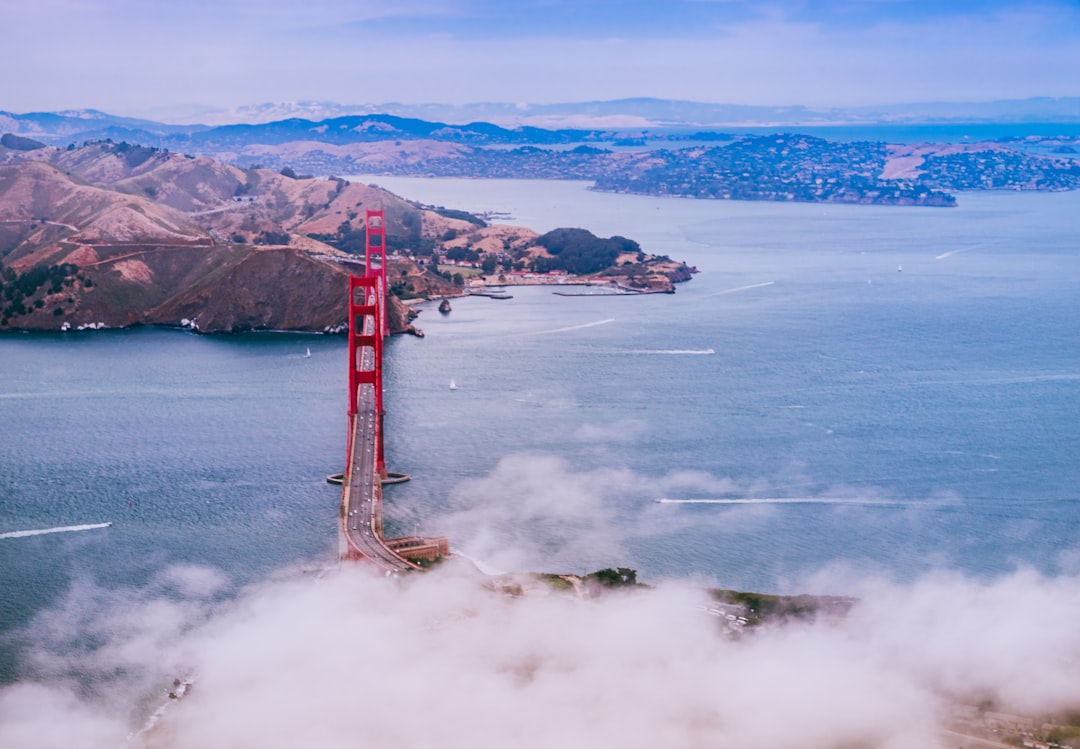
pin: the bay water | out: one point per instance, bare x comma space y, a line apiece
840, 391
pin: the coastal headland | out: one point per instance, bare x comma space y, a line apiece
114, 235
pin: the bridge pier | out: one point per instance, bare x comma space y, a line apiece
337, 479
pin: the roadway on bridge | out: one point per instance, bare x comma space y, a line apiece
363, 490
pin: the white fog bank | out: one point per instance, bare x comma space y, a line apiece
351, 659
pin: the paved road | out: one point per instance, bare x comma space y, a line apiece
36, 221
363, 490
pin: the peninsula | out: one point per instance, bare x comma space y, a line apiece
115, 234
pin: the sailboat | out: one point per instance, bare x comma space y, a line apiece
453, 385
307, 354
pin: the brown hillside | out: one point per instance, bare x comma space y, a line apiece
68, 214
274, 289
120, 235
365, 157
904, 161
189, 185
105, 163
139, 262
182, 182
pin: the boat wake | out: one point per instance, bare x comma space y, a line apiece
783, 501
676, 351
741, 288
573, 327
63, 529
950, 253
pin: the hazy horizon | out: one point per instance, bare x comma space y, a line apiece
632, 113
144, 59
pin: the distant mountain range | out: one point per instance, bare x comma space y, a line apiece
59, 129
668, 113
504, 123
652, 113
82, 124
688, 154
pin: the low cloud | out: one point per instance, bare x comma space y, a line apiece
351, 658
354, 659
496, 518
536, 511
1013, 641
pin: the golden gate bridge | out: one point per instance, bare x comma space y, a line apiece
361, 536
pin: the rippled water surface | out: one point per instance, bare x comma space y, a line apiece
913, 372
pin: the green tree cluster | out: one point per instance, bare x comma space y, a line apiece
272, 237
346, 239
614, 578
581, 252
17, 289
18, 143
462, 253
460, 215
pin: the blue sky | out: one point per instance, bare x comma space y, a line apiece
139, 57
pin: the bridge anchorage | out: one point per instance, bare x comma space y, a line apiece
361, 536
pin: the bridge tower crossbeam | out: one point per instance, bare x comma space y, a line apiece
375, 258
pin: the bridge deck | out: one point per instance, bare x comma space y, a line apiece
362, 491
361, 498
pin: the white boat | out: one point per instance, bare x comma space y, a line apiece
453, 385
307, 354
